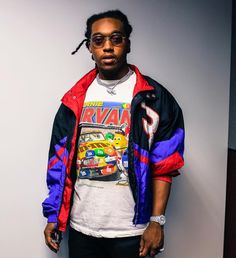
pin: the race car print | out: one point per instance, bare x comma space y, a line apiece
100, 152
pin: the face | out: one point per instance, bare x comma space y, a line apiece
120, 141
110, 57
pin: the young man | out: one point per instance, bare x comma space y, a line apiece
117, 141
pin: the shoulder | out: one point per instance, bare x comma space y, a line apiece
162, 93
64, 115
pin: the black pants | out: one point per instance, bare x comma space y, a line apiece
83, 246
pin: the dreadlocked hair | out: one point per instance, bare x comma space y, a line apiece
79, 46
116, 14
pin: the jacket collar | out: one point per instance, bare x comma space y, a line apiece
141, 83
74, 98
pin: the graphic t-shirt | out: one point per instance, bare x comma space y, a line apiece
103, 205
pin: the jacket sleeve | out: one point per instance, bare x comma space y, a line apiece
57, 161
168, 147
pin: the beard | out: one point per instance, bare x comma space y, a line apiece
113, 72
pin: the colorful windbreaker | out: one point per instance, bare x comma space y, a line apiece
155, 150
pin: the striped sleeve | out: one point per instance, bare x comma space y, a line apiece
168, 148
56, 170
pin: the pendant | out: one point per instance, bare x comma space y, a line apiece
111, 91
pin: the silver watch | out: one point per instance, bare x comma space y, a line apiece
159, 219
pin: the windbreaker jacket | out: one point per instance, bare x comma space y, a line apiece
155, 149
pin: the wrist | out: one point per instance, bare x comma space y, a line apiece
156, 225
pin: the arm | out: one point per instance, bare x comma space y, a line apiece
153, 237
166, 157
56, 172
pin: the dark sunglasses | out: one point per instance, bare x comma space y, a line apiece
98, 41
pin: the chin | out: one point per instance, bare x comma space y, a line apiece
109, 68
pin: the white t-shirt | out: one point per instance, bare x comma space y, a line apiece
103, 205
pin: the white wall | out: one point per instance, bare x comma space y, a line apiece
232, 110
185, 45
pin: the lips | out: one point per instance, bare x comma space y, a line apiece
109, 59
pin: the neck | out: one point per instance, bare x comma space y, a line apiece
113, 74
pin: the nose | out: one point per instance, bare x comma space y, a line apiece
107, 45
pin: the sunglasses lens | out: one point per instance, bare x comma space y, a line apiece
116, 39
98, 41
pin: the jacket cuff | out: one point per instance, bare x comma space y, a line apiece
52, 218
167, 179
168, 166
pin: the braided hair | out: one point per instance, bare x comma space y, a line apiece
116, 14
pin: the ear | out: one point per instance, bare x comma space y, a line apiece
128, 46
89, 49
88, 46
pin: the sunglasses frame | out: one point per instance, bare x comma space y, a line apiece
105, 38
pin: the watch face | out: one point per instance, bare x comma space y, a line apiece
162, 220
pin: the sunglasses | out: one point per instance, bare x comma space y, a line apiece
98, 41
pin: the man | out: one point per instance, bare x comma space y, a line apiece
117, 141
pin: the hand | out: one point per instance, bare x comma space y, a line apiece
48, 231
151, 240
